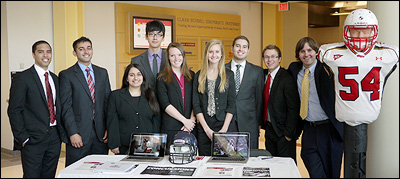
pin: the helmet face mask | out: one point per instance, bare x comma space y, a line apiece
356, 20
183, 150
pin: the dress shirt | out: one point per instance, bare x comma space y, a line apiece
273, 74
150, 56
40, 71
241, 69
315, 111
83, 68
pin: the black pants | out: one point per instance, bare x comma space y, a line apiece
355, 150
279, 146
41, 160
204, 143
321, 150
93, 147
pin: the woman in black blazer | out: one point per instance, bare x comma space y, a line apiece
133, 108
214, 96
174, 89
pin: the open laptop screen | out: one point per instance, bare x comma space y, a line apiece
147, 144
231, 144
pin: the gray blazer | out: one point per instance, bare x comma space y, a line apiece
249, 100
143, 60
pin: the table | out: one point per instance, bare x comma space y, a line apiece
280, 167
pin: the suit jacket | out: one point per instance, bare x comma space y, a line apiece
77, 104
143, 60
284, 105
170, 94
28, 112
325, 89
224, 102
249, 100
123, 118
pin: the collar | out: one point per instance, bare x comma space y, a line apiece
40, 70
83, 67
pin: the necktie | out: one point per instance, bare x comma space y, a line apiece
49, 94
304, 95
155, 66
91, 86
266, 97
237, 78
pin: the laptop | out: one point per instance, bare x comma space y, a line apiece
230, 147
146, 147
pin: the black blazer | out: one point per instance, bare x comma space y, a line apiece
325, 89
143, 60
249, 100
77, 103
284, 105
28, 113
123, 118
224, 102
170, 94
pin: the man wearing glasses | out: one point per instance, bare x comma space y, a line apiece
153, 60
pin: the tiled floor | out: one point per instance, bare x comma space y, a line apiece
11, 165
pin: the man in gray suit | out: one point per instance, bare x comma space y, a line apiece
84, 91
249, 83
153, 60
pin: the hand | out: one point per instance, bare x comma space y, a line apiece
209, 133
76, 141
189, 124
105, 137
115, 151
288, 138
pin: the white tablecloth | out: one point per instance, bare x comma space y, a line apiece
280, 167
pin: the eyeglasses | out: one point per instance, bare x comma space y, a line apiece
155, 34
271, 57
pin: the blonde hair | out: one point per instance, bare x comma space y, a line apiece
204, 67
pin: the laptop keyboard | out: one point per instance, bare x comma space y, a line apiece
144, 158
228, 159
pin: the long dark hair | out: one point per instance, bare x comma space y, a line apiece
144, 87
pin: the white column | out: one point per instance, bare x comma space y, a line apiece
383, 134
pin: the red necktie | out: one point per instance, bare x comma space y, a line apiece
49, 94
266, 97
91, 86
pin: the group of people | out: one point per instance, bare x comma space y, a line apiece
160, 93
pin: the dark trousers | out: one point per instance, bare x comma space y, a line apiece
321, 151
204, 143
93, 147
279, 146
40, 160
355, 150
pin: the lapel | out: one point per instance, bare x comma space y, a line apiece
82, 80
317, 72
56, 82
163, 60
246, 74
97, 80
38, 83
147, 68
276, 81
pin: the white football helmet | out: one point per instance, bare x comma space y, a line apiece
360, 19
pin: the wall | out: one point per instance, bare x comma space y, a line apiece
295, 27
383, 134
25, 23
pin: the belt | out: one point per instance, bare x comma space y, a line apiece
316, 123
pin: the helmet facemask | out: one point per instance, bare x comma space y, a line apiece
360, 43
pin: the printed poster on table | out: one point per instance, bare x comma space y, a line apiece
157, 170
256, 172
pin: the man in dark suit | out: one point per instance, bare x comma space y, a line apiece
34, 113
250, 83
322, 140
154, 59
85, 89
281, 106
